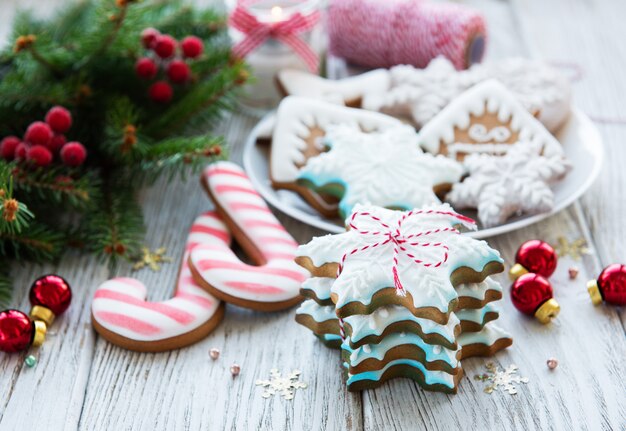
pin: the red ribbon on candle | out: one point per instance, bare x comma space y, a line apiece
285, 31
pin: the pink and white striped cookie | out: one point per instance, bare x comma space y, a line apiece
274, 283
121, 314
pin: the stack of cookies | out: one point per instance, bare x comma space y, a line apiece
403, 294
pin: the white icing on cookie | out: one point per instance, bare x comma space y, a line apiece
478, 290
486, 336
476, 315
367, 272
384, 168
279, 278
319, 313
319, 286
487, 97
503, 186
365, 325
378, 351
305, 84
297, 115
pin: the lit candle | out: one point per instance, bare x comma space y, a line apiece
273, 54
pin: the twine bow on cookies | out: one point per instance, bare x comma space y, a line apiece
285, 31
404, 244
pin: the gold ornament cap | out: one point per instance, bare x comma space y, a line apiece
40, 333
594, 292
44, 314
548, 311
517, 271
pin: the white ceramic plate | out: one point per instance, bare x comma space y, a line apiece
580, 138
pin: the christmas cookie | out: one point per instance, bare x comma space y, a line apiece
273, 283
347, 91
486, 119
300, 126
318, 289
517, 183
384, 168
320, 319
473, 319
420, 94
485, 342
122, 316
371, 280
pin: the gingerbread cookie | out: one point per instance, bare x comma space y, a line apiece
122, 316
486, 119
384, 168
318, 289
486, 342
274, 283
300, 126
517, 183
348, 91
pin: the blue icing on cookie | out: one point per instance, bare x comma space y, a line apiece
374, 324
476, 315
377, 351
320, 286
319, 313
430, 377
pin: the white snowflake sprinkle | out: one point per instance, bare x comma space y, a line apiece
284, 386
503, 380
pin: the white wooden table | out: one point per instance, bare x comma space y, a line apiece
81, 381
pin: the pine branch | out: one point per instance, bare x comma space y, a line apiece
36, 242
57, 185
6, 288
115, 228
14, 215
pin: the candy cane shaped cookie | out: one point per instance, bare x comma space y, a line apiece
121, 314
275, 282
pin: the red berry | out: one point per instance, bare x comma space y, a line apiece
149, 36
39, 155
38, 133
59, 119
161, 92
178, 71
192, 46
21, 151
56, 143
146, 68
165, 46
8, 146
73, 154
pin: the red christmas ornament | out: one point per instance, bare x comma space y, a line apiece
39, 155
161, 92
8, 146
56, 143
52, 292
610, 286
146, 68
59, 119
73, 154
149, 37
38, 133
532, 294
165, 46
17, 331
178, 71
192, 47
534, 256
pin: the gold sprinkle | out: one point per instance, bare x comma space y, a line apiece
574, 249
152, 259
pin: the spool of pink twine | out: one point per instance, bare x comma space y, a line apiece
377, 33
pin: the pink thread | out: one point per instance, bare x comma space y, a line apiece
377, 33
285, 31
401, 242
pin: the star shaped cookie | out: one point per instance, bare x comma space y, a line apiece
385, 168
500, 187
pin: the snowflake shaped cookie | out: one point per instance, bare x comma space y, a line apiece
503, 380
284, 386
500, 187
385, 168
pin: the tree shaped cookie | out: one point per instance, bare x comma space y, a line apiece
515, 183
385, 168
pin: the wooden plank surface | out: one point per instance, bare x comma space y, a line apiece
84, 382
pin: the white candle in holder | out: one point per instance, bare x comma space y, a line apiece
273, 54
